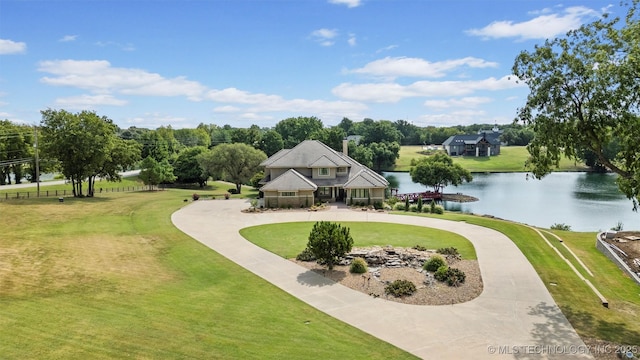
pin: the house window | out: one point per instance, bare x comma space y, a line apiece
360, 193
287, 193
324, 191
323, 171
342, 170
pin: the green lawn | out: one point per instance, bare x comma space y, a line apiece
511, 159
110, 277
289, 239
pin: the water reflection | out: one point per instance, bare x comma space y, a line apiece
585, 201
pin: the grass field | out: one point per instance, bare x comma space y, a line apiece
110, 277
289, 239
511, 159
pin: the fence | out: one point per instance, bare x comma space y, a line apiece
64, 193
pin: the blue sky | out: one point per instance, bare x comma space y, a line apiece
150, 63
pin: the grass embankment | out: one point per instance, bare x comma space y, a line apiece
579, 304
110, 277
511, 159
289, 239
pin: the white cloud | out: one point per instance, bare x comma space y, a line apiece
155, 120
8, 47
68, 38
391, 67
226, 109
275, 103
324, 36
547, 25
89, 101
352, 40
465, 102
98, 76
393, 92
453, 118
349, 3
386, 48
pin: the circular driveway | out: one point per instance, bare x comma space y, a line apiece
514, 317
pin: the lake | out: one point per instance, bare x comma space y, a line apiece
584, 201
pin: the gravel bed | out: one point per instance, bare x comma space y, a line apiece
429, 291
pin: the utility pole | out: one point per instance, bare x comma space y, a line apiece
35, 127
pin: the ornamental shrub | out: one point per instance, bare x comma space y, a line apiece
328, 242
406, 203
434, 263
305, 255
358, 266
432, 207
437, 209
195, 196
420, 248
399, 206
441, 273
400, 288
448, 251
413, 208
419, 204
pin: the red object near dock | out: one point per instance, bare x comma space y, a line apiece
413, 197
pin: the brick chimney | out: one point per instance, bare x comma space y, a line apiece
345, 147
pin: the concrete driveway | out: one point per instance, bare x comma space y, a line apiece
514, 317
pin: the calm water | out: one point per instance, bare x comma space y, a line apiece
586, 202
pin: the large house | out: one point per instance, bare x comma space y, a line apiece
312, 171
484, 143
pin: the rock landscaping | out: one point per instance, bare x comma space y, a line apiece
388, 264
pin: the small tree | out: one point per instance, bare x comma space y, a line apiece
328, 242
438, 171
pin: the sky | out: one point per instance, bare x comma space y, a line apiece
152, 63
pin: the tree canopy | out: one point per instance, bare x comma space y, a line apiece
187, 169
439, 171
16, 149
86, 146
584, 98
235, 162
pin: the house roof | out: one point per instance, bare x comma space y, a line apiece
291, 180
304, 155
366, 178
492, 138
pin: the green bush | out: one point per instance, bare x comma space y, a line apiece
392, 201
400, 288
420, 248
305, 255
426, 209
452, 276
448, 251
438, 209
406, 203
434, 263
563, 227
432, 207
377, 205
441, 273
419, 204
413, 208
358, 266
399, 206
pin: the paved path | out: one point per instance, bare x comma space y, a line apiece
515, 308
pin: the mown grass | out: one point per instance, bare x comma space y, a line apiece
110, 277
289, 239
511, 159
580, 305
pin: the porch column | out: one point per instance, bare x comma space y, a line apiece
477, 151
489, 151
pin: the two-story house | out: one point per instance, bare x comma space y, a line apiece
484, 143
312, 171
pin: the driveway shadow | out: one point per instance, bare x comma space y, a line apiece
320, 277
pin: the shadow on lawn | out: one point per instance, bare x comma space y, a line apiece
613, 331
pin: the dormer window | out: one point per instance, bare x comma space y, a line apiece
342, 170
323, 171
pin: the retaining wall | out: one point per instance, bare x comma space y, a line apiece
604, 248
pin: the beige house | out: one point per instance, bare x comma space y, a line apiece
312, 172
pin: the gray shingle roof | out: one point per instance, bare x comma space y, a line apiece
291, 180
304, 155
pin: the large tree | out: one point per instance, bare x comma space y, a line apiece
584, 96
154, 172
439, 171
86, 146
271, 142
384, 155
16, 149
296, 130
187, 169
236, 162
